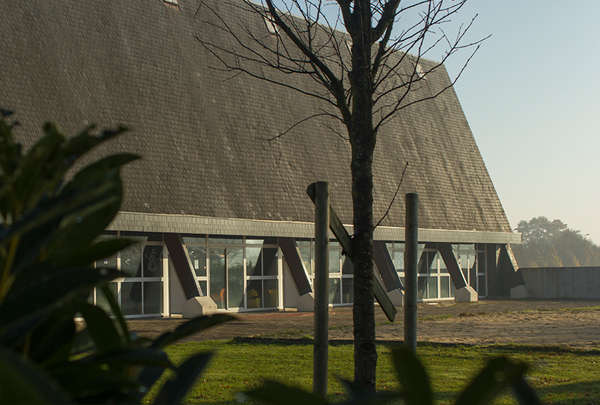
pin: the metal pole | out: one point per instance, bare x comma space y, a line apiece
321, 345
411, 255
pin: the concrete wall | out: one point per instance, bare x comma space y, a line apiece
290, 292
176, 295
501, 270
562, 282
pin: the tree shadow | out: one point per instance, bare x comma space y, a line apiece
492, 349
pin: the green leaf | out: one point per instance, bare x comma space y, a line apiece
101, 327
412, 376
139, 341
358, 396
36, 291
80, 227
91, 253
13, 336
124, 358
175, 389
377, 398
10, 152
31, 178
275, 393
116, 310
100, 170
148, 378
46, 234
87, 379
498, 374
192, 326
524, 393
41, 170
22, 383
135, 357
82, 342
66, 155
84, 142
52, 341
92, 190
76, 204
111, 133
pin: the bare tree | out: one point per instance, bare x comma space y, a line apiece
369, 68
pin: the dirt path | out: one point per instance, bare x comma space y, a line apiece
484, 322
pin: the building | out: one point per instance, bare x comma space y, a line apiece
218, 210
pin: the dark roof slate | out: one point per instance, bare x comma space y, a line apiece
138, 63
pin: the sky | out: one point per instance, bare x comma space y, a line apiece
531, 96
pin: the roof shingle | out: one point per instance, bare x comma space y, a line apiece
138, 63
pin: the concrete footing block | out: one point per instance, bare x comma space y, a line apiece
466, 294
520, 292
198, 306
397, 297
306, 302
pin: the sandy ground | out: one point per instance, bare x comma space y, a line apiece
559, 322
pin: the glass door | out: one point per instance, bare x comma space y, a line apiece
217, 277
226, 270
235, 278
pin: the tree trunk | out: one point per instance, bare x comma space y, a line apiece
362, 139
353, 95
365, 352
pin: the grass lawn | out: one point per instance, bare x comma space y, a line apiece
559, 375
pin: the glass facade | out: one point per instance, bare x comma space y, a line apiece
434, 281
472, 259
246, 273
141, 291
341, 286
237, 272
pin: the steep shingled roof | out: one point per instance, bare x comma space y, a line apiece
138, 63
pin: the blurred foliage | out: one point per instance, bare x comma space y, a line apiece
553, 244
499, 374
49, 239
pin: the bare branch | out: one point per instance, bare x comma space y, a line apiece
386, 19
393, 198
321, 114
382, 74
398, 107
334, 84
338, 133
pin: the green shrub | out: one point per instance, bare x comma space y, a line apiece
51, 218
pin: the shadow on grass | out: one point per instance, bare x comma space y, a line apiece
279, 341
587, 392
497, 348
543, 349
575, 393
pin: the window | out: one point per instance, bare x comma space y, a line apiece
236, 272
262, 270
271, 26
419, 71
306, 253
141, 291
341, 271
472, 262
433, 280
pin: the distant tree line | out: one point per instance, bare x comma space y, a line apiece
553, 244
